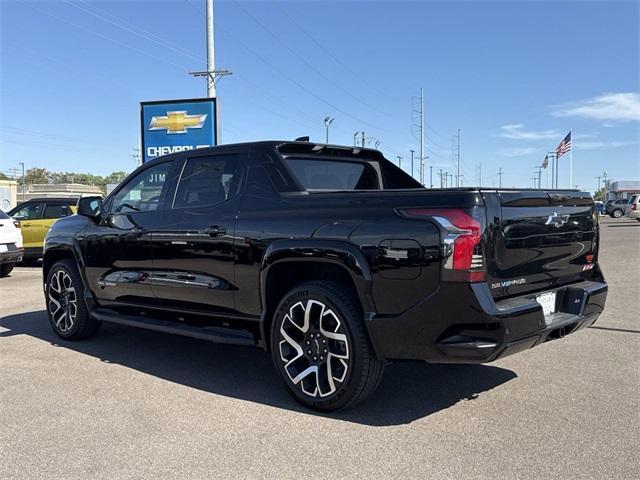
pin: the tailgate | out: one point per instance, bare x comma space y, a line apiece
542, 240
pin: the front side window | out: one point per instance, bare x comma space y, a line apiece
333, 175
143, 192
30, 211
56, 211
207, 181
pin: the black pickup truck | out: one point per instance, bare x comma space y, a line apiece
331, 258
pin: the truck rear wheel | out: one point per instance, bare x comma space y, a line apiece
66, 308
321, 348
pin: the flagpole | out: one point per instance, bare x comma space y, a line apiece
571, 161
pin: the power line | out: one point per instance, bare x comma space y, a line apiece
106, 37
327, 51
133, 29
306, 62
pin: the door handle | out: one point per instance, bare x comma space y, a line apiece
215, 231
139, 231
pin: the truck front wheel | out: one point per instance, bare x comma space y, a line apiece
321, 348
66, 308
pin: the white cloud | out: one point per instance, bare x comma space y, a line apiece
595, 145
609, 106
518, 152
516, 131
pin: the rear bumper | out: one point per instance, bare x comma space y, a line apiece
463, 324
12, 256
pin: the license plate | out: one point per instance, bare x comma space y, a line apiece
548, 302
3, 248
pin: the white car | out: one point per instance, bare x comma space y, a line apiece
10, 244
633, 207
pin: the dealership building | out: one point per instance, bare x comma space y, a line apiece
622, 189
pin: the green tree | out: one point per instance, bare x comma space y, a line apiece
36, 175
3, 176
599, 194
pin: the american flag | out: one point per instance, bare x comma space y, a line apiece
545, 162
564, 146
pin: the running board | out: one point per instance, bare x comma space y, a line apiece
212, 334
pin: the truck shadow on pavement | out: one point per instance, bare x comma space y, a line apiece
409, 391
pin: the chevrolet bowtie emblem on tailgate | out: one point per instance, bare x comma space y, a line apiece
557, 220
177, 122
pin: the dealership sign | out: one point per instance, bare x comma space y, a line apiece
177, 125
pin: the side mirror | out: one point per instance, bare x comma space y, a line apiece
90, 207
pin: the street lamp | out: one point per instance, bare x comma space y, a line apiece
327, 123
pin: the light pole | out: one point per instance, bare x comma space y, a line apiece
355, 138
327, 123
399, 161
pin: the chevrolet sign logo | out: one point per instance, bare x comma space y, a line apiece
557, 220
177, 122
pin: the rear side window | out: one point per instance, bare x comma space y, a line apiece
333, 175
56, 211
206, 181
3, 216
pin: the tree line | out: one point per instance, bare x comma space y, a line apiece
42, 175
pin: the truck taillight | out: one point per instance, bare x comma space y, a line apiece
462, 241
633, 206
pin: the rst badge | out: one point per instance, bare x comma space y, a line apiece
177, 125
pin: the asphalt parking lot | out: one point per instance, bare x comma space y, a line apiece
140, 404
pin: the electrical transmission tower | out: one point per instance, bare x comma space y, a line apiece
455, 155
417, 114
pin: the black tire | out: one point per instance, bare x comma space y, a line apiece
5, 269
617, 213
66, 308
347, 370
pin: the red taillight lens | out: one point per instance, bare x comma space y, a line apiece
464, 233
633, 206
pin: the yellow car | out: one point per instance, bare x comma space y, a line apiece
36, 217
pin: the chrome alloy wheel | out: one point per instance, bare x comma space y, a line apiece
62, 301
314, 348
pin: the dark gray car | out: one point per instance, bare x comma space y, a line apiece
616, 208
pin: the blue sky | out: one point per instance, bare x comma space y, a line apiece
514, 77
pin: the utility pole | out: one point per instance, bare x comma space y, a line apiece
598, 182
606, 185
399, 161
539, 172
440, 173
363, 138
211, 54
355, 139
327, 123
23, 181
500, 177
430, 176
211, 74
480, 174
412, 152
